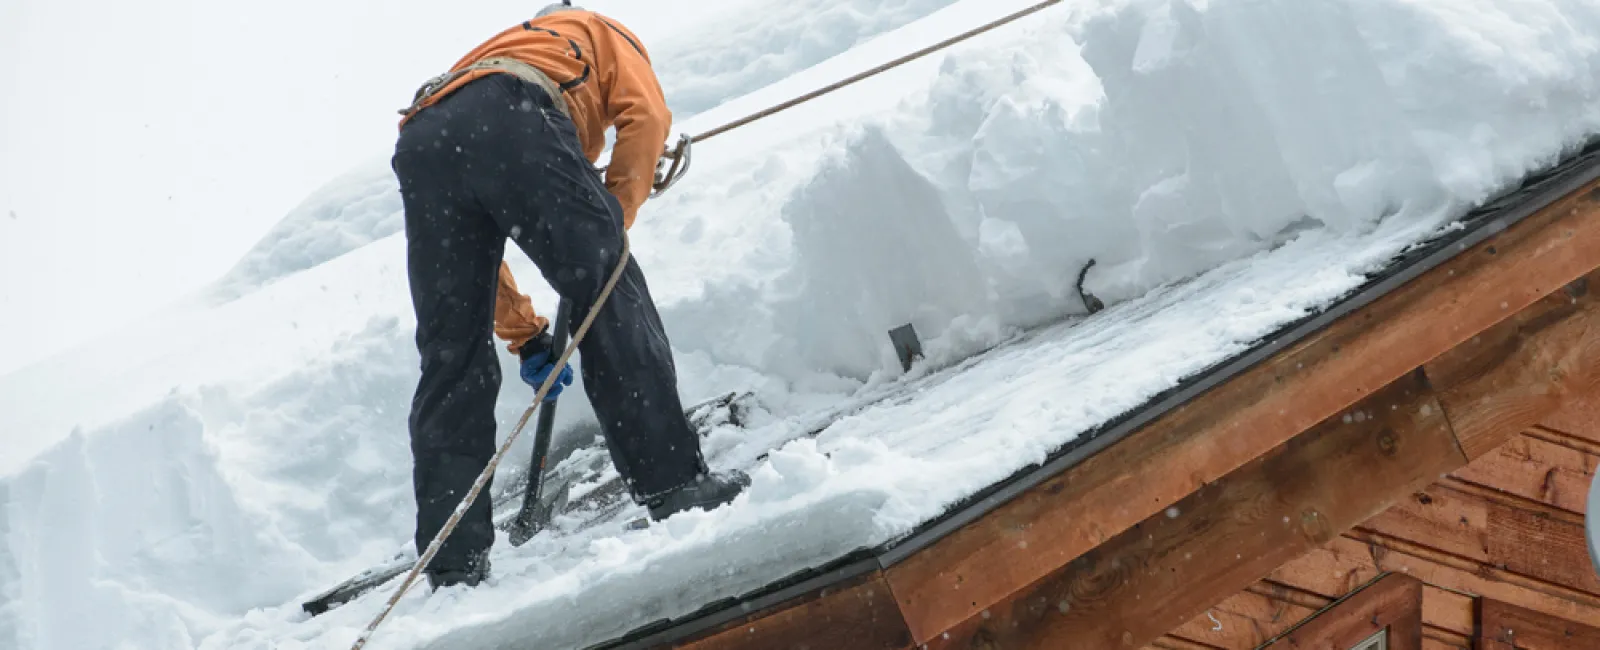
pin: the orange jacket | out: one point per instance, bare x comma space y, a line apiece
607, 79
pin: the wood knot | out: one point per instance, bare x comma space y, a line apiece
1314, 526
1099, 581
1387, 442
1578, 288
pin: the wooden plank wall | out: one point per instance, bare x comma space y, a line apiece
1505, 529
1507, 627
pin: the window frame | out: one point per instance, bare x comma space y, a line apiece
1389, 606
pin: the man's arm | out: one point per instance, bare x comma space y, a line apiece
639, 112
514, 318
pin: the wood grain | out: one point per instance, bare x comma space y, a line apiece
1243, 620
1394, 603
1440, 518
1433, 643
1228, 426
1447, 617
1534, 468
1513, 534
860, 613
1520, 371
1505, 626
1579, 416
1447, 611
1563, 438
1347, 562
1171, 642
1170, 568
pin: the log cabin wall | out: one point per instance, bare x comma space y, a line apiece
1498, 545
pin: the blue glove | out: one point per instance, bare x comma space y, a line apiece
538, 361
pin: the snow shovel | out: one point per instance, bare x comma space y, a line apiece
534, 515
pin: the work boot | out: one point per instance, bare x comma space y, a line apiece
471, 576
707, 491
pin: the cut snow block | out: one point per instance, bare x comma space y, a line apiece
906, 345
874, 247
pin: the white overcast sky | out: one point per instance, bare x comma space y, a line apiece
144, 146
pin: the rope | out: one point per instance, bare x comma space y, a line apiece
483, 478
488, 471
875, 71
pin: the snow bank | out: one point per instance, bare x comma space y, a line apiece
1221, 131
352, 211
1171, 140
755, 44
868, 239
1231, 165
134, 533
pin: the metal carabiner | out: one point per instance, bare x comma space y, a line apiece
427, 90
680, 156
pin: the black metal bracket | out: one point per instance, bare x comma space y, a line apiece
906, 345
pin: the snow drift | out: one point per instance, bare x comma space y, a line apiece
756, 44
1231, 165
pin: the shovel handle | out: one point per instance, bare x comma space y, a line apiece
524, 526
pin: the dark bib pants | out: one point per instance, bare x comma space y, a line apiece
492, 161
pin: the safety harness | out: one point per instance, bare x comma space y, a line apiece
665, 176
514, 67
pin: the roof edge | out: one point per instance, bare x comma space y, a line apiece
1536, 192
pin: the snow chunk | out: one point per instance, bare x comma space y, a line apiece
137, 529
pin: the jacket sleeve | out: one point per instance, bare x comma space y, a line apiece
636, 107
514, 318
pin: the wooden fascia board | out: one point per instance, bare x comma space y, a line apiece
1159, 574
1523, 369
1064, 517
860, 613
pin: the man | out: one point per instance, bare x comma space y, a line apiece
504, 146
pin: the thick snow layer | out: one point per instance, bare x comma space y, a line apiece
756, 44
1232, 165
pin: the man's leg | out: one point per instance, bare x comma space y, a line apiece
546, 196
453, 251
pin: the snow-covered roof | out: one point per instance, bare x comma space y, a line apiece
925, 564
1240, 171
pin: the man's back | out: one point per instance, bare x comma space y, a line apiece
605, 77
